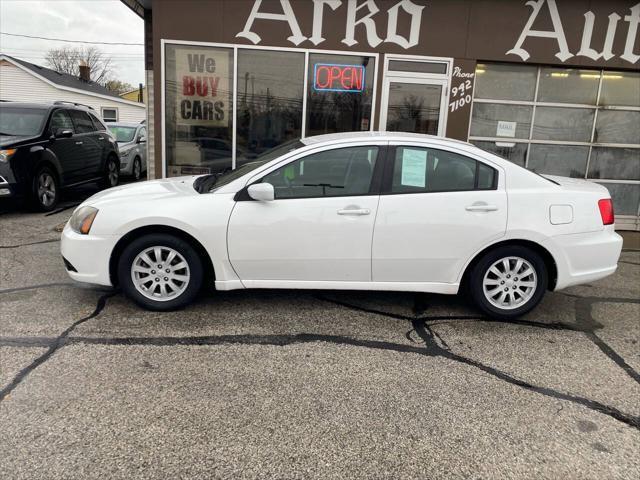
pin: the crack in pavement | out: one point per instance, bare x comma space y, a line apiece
18, 245
433, 344
36, 287
54, 346
61, 209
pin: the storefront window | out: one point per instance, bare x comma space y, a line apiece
618, 126
615, 163
198, 110
565, 160
270, 88
506, 82
514, 152
560, 123
620, 89
588, 139
339, 93
567, 85
488, 120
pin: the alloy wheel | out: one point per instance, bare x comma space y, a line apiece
112, 173
510, 283
160, 273
137, 169
46, 189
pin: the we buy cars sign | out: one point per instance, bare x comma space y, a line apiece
203, 87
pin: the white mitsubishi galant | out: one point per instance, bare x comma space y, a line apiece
352, 211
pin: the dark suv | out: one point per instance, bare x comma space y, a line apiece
44, 148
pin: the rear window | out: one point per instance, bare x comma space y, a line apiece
21, 121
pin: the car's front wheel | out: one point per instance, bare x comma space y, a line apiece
136, 170
508, 281
160, 272
46, 189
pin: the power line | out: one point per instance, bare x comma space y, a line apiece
69, 41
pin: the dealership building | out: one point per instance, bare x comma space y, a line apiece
552, 85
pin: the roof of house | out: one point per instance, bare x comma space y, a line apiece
64, 79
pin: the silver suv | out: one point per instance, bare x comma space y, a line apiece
132, 143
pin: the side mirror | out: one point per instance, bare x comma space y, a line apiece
63, 133
263, 192
142, 140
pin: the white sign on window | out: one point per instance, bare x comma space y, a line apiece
202, 87
506, 129
414, 168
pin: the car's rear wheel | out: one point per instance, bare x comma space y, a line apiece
160, 272
46, 189
111, 175
508, 281
137, 169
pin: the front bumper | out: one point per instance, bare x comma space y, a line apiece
88, 255
585, 257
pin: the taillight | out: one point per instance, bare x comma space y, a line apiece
606, 211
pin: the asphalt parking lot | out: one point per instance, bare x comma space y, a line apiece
303, 384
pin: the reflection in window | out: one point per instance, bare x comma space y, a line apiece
505, 82
487, 115
615, 163
332, 173
198, 109
564, 160
414, 107
618, 126
340, 91
568, 85
560, 123
620, 88
270, 88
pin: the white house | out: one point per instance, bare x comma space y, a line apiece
22, 81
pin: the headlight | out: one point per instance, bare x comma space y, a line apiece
125, 153
82, 219
5, 155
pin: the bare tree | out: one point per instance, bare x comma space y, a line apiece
118, 86
68, 59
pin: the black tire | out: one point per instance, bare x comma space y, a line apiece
45, 190
477, 277
111, 175
194, 272
136, 172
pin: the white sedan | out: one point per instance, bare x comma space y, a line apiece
352, 211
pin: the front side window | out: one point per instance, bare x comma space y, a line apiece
82, 121
332, 173
423, 170
60, 121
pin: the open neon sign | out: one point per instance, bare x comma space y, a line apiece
338, 78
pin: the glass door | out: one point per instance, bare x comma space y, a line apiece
411, 104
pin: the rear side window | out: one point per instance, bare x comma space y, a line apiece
422, 170
98, 123
82, 121
60, 120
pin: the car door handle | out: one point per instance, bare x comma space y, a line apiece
481, 208
79, 143
100, 138
354, 211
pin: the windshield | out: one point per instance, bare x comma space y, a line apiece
207, 183
123, 134
21, 121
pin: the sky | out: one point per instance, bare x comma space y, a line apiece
86, 20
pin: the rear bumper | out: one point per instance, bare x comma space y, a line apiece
88, 255
585, 257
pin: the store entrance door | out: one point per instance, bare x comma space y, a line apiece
414, 96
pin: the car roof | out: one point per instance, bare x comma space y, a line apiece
391, 136
48, 106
